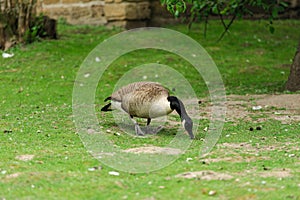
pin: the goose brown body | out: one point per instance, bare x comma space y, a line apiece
148, 100
143, 99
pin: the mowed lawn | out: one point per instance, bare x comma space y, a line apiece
43, 157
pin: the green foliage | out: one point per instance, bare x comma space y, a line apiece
36, 30
201, 9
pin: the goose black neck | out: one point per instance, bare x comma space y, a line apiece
177, 105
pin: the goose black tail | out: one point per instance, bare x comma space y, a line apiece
108, 98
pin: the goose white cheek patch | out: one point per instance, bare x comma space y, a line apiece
183, 123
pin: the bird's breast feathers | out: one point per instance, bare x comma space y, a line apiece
159, 108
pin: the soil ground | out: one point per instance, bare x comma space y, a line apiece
283, 107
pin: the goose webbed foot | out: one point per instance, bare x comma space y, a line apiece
153, 131
138, 130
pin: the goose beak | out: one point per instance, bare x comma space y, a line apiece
191, 135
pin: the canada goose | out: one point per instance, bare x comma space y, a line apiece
148, 100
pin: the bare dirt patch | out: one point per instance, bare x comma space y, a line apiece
25, 157
231, 152
154, 150
276, 173
235, 159
205, 175
281, 107
15, 175
254, 149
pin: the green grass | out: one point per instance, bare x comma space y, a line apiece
36, 118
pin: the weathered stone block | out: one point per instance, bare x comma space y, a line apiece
97, 11
62, 11
128, 24
56, 12
114, 1
130, 11
143, 10
84, 1
47, 2
78, 12
114, 11
112, 24
69, 1
88, 20
45, 11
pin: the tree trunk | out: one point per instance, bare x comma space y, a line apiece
21, 20
7, 37
293, 83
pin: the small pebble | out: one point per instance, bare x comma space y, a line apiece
97, 59
212, 192
91, 169
3, 172
256, 107
113, 173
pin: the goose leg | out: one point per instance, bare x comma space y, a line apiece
148, 131
137, 128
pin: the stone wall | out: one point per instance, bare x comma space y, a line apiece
74, 11
121, 13
129, 14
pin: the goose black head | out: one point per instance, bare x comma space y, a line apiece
187, 122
